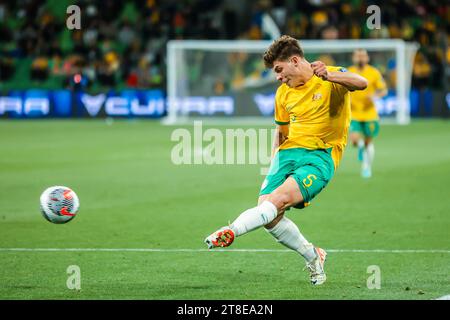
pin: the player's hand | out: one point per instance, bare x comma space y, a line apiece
320, 69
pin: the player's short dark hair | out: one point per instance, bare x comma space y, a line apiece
282, 49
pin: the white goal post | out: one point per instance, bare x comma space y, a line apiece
215, 79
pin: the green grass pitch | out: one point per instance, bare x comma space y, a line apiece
133, 196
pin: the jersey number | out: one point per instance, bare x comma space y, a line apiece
307, 182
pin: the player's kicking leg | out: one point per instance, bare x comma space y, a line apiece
285, 196
270, 213
247, 221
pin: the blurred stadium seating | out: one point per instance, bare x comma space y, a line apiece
122, 43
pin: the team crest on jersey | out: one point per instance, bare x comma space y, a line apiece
316, 96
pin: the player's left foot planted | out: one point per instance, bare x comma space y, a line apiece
221, 238
316, 267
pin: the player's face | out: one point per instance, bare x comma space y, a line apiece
360, 58
285, 72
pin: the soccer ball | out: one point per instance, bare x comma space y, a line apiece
59, 204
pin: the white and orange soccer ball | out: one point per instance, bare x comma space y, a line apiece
59, 204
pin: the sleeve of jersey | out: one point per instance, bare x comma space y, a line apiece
336, 69
280, 114
340, 88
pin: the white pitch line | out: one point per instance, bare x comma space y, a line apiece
215, 250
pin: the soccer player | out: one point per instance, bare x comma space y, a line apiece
312, 116
364, 126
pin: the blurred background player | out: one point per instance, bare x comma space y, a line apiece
365, 125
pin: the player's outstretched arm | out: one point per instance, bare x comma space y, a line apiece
350, 80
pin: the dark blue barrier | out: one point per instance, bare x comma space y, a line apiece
35, 103
130, 103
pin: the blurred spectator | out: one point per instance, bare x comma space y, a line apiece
143, 73
126, 34
330, 33
327, 59
421, 71
39, 69
105, 74
6, 68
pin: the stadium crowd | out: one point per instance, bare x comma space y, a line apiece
122, 43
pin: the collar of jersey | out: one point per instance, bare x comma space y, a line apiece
308, 83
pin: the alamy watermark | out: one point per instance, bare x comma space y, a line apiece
374, 20
374, 280
74, 20
222, 147
74, 279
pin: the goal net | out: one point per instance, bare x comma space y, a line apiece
227, 80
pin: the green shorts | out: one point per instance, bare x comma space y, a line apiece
312, 169
366, 128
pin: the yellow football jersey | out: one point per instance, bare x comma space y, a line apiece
318, 114
363, 108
